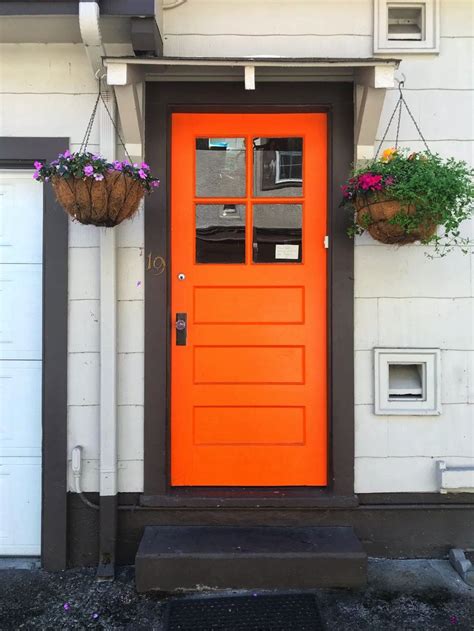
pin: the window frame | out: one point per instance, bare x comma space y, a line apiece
430, 42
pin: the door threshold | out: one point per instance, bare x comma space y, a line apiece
190, 498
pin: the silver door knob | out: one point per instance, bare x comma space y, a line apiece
180, 325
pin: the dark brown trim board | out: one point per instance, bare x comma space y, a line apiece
394, 531
21, 153
161, 100
125, 8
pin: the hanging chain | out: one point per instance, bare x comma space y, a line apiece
85, 140
398, 107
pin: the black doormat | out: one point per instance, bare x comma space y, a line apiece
256, 612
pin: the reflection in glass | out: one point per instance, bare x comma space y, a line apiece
277, 230
220, 167
220, 233
278, 167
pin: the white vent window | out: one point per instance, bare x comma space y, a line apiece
406, 23
402, 26
407, 381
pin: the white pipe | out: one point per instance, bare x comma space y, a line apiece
108, 323
89, 16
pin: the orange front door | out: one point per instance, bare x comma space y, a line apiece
248, 269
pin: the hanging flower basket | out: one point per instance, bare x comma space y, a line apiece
93, 191
405, 197
105, 202
376, 213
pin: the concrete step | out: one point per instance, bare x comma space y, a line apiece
261, 557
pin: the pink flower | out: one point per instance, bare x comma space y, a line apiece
155, 183
88, 170
369, 181
67, 154
36, 175
142, 174
118, 166
98, 177
389, 181
37, 165
145, 166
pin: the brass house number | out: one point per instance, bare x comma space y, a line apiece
155, 264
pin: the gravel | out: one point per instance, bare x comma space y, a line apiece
401, 595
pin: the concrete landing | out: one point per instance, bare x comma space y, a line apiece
171, 558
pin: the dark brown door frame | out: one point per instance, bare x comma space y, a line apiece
161, 100
20, 153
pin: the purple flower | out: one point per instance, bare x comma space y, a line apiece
135, 165
98, 177
155, 183
67, 154
36, 175
95, 616
88, 170
95, 157
142, 174
37, 165
145, 166
389, 181
66, 606
118, 166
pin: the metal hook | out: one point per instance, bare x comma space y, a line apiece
102, 76
401, 82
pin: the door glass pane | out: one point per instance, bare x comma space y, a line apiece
220, 167
220, 233
277, 167
277, 230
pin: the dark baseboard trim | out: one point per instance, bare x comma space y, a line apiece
393, 531
418, 499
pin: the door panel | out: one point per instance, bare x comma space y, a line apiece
248, 268
21, 271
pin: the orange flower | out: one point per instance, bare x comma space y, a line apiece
388, 154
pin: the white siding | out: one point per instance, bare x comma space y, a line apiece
402, 298
51, 91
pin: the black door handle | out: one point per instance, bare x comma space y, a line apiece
181, 326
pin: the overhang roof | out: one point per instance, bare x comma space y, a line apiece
267, 61
126, 70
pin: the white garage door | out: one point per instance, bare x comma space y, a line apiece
21, 226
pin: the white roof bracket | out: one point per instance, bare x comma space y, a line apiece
250, 77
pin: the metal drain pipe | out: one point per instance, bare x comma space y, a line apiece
89, 15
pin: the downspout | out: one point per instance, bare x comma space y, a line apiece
89, 15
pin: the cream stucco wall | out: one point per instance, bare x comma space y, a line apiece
402, 298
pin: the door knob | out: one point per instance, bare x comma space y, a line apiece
180, 325
181, 329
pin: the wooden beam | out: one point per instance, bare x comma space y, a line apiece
131, 117
368, 105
